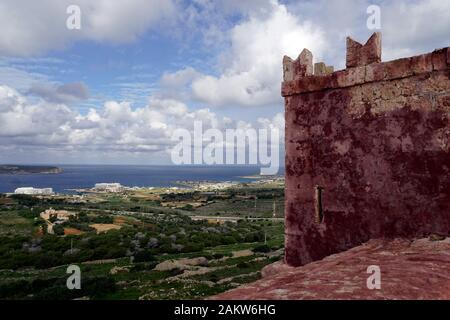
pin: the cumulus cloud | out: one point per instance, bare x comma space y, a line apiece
35, 27
250, 71
26, 122
414, 27
116, 127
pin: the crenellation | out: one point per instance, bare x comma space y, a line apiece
383, 71
300, 78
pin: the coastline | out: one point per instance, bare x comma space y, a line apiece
86, 176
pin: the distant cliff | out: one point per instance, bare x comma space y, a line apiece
19, 169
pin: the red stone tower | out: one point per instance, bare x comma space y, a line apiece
367, 150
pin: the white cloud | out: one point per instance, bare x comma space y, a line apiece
116, 127
251, 68
115, 124
179, 78
34, 27
124, 21
29, 122
276, 122
414, 27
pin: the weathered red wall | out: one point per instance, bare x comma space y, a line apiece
375, 137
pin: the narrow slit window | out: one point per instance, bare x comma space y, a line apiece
318, 204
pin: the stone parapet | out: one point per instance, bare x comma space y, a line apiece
439, 60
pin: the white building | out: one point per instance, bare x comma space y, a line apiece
34, 191
108, 187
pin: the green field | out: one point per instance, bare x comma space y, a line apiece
13, 224
157, 253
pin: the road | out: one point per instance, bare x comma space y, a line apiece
234, 219
194, 217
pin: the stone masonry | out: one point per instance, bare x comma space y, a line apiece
367, 150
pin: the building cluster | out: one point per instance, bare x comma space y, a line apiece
53, 217
208, 185
108, 187
34, 191
60, 215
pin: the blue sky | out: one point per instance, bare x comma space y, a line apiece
129, 71
115, 90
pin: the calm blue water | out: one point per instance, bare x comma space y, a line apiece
75, 177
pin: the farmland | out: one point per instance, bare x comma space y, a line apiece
139, 244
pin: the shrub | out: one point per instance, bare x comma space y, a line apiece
58, 229
262, 248
242, 265
46, 260
175, 272
10, 289
143, 256
218, 255
143, 266
188, 207
213, 277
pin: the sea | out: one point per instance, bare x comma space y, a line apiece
86, 176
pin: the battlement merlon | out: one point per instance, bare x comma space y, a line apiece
361, 55
301, 67
438, 60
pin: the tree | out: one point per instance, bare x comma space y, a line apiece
143, 256
262, 248
58, 229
